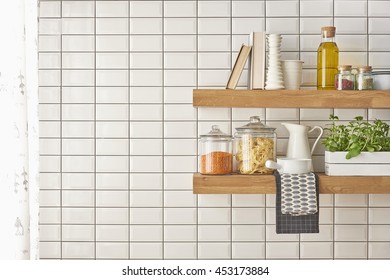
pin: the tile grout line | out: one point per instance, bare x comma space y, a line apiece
231, 127
94, 134
197, 126
129, 133
163, 127
61, 139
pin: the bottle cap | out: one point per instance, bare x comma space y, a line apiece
328, 31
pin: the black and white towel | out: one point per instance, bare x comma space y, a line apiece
297, 203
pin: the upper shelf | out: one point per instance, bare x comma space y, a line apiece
291, 98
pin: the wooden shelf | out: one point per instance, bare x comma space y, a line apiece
265, 184
291, 98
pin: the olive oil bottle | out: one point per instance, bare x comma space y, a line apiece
327, 59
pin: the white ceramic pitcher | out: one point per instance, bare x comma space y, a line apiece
298, 143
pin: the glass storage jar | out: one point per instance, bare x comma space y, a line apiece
345, 79
254, 144
216, 155
364, 78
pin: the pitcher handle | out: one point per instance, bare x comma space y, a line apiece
318, 138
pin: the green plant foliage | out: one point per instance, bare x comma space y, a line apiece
357, 136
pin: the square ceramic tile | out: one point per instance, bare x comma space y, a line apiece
49, 215
49, 43
50, 250
50, 9
49, 232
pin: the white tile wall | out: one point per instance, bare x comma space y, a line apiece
119, 133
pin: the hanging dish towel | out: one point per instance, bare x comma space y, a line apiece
297, 203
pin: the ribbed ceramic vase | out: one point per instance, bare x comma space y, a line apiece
274, 76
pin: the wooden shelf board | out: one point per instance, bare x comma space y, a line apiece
291, 98
265, 184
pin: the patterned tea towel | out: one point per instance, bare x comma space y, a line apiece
297, 203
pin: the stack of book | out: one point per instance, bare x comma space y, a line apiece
254, 53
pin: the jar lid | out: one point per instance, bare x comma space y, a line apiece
344, 67
328, 31
364, 68
255, 125
216, 134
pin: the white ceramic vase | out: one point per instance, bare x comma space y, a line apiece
274, 76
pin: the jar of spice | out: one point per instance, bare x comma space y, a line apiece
254, 144
216, 156
364, 78
344, 79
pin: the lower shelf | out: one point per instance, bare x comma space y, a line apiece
265, 184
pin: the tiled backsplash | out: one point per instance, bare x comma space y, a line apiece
119, 133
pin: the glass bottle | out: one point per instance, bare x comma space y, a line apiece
345, 79
364, 78
216, 155
327, 59
254, 144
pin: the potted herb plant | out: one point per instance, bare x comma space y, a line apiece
357, 148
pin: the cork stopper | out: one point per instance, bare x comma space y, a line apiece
364, 68
344, 67
328, 31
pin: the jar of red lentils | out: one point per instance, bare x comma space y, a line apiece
216, 156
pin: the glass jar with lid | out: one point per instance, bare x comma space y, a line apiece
345, 79
364, 78
216, 155
254, 144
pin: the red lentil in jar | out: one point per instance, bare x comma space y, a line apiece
216, 156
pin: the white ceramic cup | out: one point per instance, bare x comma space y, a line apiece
290, 165
292, 73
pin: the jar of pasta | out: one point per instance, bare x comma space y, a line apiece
216, 156
254, 144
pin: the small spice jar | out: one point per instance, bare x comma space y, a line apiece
254, 144
364, 78
344, 79
216, 157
